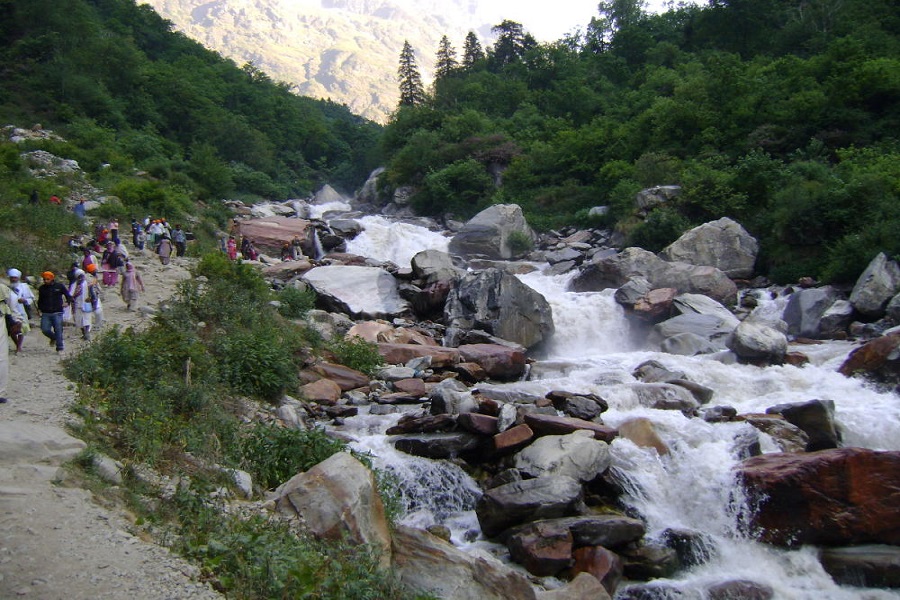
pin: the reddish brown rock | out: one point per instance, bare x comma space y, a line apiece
426, 424
789, 437
656, 305
499, 362
323, 391
641, 431
603, 564
271, 233
543, 549
400, 354
415, 387
879, 358
346, 378
470, 372
552, 425
831, 497
287, 269
513, 438
796, 359
477, 423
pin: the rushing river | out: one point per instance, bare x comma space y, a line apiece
693, 487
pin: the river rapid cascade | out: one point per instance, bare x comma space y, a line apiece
692, 486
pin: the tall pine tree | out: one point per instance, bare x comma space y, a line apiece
472, 51
412, 92
446, 59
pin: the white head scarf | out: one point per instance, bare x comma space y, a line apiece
14, 273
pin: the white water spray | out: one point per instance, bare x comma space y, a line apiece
395, 242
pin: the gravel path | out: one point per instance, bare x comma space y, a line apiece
56, 541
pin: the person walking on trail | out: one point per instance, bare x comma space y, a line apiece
52, 299
180, 240
78, 291
91, 309
11, 326
22, 300
132, 285
80, 209
4, 352
164, 249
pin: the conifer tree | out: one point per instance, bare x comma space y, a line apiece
512, 42
472, 51
412, 92
446, 59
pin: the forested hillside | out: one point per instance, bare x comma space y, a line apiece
125, 91
783, 115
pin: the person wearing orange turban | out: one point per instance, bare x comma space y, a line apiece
52, 297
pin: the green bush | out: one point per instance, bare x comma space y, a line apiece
295, 303
258, 362
519, 243
358, 354
274, 454
662, 227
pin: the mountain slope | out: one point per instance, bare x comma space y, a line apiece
343, 50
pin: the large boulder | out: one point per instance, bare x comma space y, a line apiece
577, 455
712, 329
519, 502
271, 233
831, 497
400, 354
433, 266
815, 418
361, 292
497, 302
805, 309
429, 564
722, 244
876, 286
687, 304
498, 362
758, 342
878, 359
614, 271
488, 233
338, 500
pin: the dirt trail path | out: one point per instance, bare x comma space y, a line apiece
56, 542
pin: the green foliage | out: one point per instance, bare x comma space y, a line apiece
519, 243
661, 227
259, 363
358, 354
259, 559
295, 303
462, 189
155, 93
274, 454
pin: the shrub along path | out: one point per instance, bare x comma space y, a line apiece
56, 540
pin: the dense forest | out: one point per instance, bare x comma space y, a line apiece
131, 95
781, 114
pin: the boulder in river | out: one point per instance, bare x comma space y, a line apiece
831, 497
876, 286
489, 233
427, 563
361, 292
497, 302
614, 271
722, 244
519, 502
338, 500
